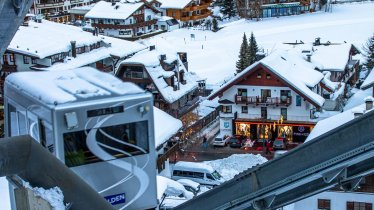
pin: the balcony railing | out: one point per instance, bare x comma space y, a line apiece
130, 26
196, 17
49, 4
258, 100
295, 118
6, 68
196, 7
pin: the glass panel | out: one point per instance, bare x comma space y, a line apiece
119, 141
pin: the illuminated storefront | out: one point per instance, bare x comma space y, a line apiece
256, 130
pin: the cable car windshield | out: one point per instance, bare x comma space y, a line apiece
119, 141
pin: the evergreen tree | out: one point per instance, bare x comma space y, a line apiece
369, 53
243, 61
228, 8
215, 25
252, 50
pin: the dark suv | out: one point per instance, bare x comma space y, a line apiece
234, 142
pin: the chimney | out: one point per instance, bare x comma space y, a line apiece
113, 3
163, 57
152, 47
317, 41
73, 49
308, 57
357, 112
369, 103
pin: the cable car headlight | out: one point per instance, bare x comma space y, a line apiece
143, 109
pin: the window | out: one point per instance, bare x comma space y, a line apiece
352, 205
26, 60
242, 92
209, 176
268, 76
227, 109
244, 109
284, 113
150, 27
324, 204
264, 112
11, 57
198, 175
258, 76
118, 140
149, 17
127, 32
33, 60
298, 100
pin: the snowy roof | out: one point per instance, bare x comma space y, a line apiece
70, 85
291, 68
174, 4
331, 57
48, 38
44, 39
165, 126
335, 121
120, 10
357, 98
369, 81
195, 165
151, 62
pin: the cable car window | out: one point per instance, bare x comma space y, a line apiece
119, 141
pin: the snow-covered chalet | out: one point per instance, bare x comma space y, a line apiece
188, 12
166, 75
278, 96
125, 18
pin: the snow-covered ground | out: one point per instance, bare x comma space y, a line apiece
213, 55
4, 194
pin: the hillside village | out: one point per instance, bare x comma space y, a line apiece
306, 79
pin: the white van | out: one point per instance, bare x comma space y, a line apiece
198, 172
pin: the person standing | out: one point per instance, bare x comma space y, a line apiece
205, 142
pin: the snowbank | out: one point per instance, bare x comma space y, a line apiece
53, 196
233, 165
4, 194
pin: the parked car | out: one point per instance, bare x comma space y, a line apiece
198, 172
279, 153
280, 143
190, 185
260, 143
221, 140
234, 142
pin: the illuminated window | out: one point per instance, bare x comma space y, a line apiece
324, 204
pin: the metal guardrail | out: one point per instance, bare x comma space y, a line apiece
340, 157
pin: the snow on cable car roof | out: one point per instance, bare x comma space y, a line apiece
58, 87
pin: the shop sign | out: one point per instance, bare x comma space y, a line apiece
226, 126
300, 133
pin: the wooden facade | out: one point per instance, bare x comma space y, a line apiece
192, 13
271, 8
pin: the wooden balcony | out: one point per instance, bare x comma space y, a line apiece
263, 101
196, 7
196, 17
50, 4
7, 69
130, 26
